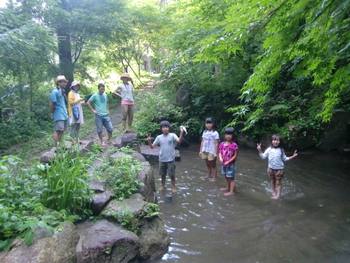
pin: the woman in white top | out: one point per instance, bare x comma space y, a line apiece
75, 99
125, 90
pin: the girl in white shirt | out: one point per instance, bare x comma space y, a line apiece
275, 168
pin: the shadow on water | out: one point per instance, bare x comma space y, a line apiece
310, 223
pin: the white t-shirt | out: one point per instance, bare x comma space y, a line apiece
276, 158
209, 138
167, 146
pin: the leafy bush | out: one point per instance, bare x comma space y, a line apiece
153, 108
66, 184
121, 175
21, 211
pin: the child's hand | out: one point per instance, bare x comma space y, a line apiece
295, 153
148, 137
200, 154
258, 146
183, 129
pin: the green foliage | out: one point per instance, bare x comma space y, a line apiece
121, 175
66, 184
153, 108
131, 221
21, 211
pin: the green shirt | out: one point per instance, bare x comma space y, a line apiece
100, 103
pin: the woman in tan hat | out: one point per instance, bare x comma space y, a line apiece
74, 100
124, 90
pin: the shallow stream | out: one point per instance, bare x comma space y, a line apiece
310, 223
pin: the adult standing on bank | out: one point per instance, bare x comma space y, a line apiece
101, 111
125, 90
58, 108
76, 119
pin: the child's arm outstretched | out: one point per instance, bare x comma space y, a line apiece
294, 155
258, 147
151, 145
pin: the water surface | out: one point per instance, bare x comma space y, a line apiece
310, 223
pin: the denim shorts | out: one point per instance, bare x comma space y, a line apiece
229, 171
105, 121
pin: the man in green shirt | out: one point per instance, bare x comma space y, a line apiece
101, 111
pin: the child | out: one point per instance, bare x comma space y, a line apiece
209, 148
166, 141
228, 152
275, 166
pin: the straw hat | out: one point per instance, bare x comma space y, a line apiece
75, 83
61, 78
125, 75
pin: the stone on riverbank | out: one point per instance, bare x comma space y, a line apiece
56, 248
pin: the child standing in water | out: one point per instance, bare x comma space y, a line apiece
166, 141
275, 168
228, 152
209, 148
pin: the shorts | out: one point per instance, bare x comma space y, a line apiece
278, 174
61, 125
167, 168
208, 156
105, 121
230, 171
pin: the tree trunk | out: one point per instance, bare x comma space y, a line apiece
64, 48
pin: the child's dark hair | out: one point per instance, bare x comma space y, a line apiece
164, 123
211, 120
100, 85
279, 137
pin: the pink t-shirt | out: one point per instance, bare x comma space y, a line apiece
227, 152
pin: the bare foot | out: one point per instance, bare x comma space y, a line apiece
174, 190
207, 176
213, 179
228, 194
275, 197
161, 188
103, 144
224, 189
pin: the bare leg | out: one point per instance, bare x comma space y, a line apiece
173, 189
208, 169
273, 186
109, 137
279, 189
232, 187
57, 136
213, 169
101, 139
227, 188
163, 183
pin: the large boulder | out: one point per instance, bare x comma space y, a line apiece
56, 248
335, 133
154, 239
106, 242
101, 195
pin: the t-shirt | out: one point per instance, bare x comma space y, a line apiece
126, 92
100, 103
276, 158
209, 138
167, 146
60, 109
227, 152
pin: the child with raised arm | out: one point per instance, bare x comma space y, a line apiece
228, 152
275, 168
166, 141
208, 150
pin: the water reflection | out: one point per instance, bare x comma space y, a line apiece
311, 222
